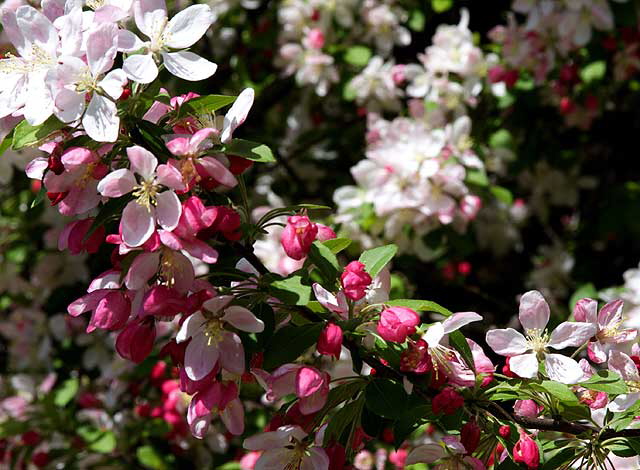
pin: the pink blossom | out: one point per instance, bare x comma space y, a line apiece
526, 451
416, 358
152, 205
608, 324
135, 341
447, 402
314, 39
298, 235
528, 408
624, 366
110, 309
355, 280
523, 351
396, 323
218, 397
74, 237
330, 340
211, 342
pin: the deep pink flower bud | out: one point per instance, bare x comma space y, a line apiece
315, 38
447, 402
526, 451
298, 236
496, 74
330, 340
355, 280
325, 233
470, 436
111, 313
163, 301
416, 358
505, 431
135, 342
528, 408
73, 237
396, 323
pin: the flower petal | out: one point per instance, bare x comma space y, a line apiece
562, 369
237, 114
623, 365
137, 224
101, 121
140, 68
434, 334
534, 311
217, 171
426, 453
232, 353
233, 417
168, 210
143, 162
143, 268
623, 402
507, 342
170, 176
188, 26
610, 314
525, 365
243, 319
117, 183
458, 320
190, 326
586, 310
188, 66
200, 358
571, 334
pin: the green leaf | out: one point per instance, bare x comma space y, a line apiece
341, 420
420, 306
502, 194
6, 143
409, 422
289, 342
501, 139
150, 458
477, 176
559, 391
66, 392
440, 6
416, 20
606, 381
459, 342
149, 136
386, 398
594, 71
205, 104
357, 55
98, 440
336, 245
249, 150
26, 135
324, 259
291, 290
377, 258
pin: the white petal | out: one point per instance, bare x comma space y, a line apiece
458, 320
623, 402
188, 26
101, 121
624, 366
113, 83
200, 358
137, 224
534, 311
571, 334
434, 335
38, 104
237, 113
507, 342
427, 453
150, 16
102, 48
143, 162
525, 365
243, 319
562, 369
117, 183
168, 210
69, 105
128, 42
317, 459
190, 327
188, 66
140, 68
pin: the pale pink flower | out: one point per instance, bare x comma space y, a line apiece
525, 350
152, 205
211, 342
181, 32
284, 448
624, 366
608, 326
218, 397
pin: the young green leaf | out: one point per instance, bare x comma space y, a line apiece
377, 258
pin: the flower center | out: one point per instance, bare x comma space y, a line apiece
146, 193
87, 176
213, 330
612, 330
634, 386
537, 340
86, 83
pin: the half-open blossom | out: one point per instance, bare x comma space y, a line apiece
624, 366
298, 235
528, 408
416, 358
526, 350
211, 341
135, 341
330, 340
110, 309
355, 280
396, 323
74, 237
608, 323
181, 32
285, 448
218, 397
526, 451
151, 204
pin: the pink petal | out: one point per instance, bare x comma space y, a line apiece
138, 224
199, 357
77, 156
143, 268
218, 171
232, 353
571, 334
586, 310
308, 381
168, 210
525, 365
507, 342
243, 319
534, 311
427, 453
327, 299
142, 162
85, 303
233, 417
316, 459
201, 250
170, 176
624, 366
179, 146
610, 314
190, 327
199, 142
597, 352
458, 320
117, 183
562, 369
